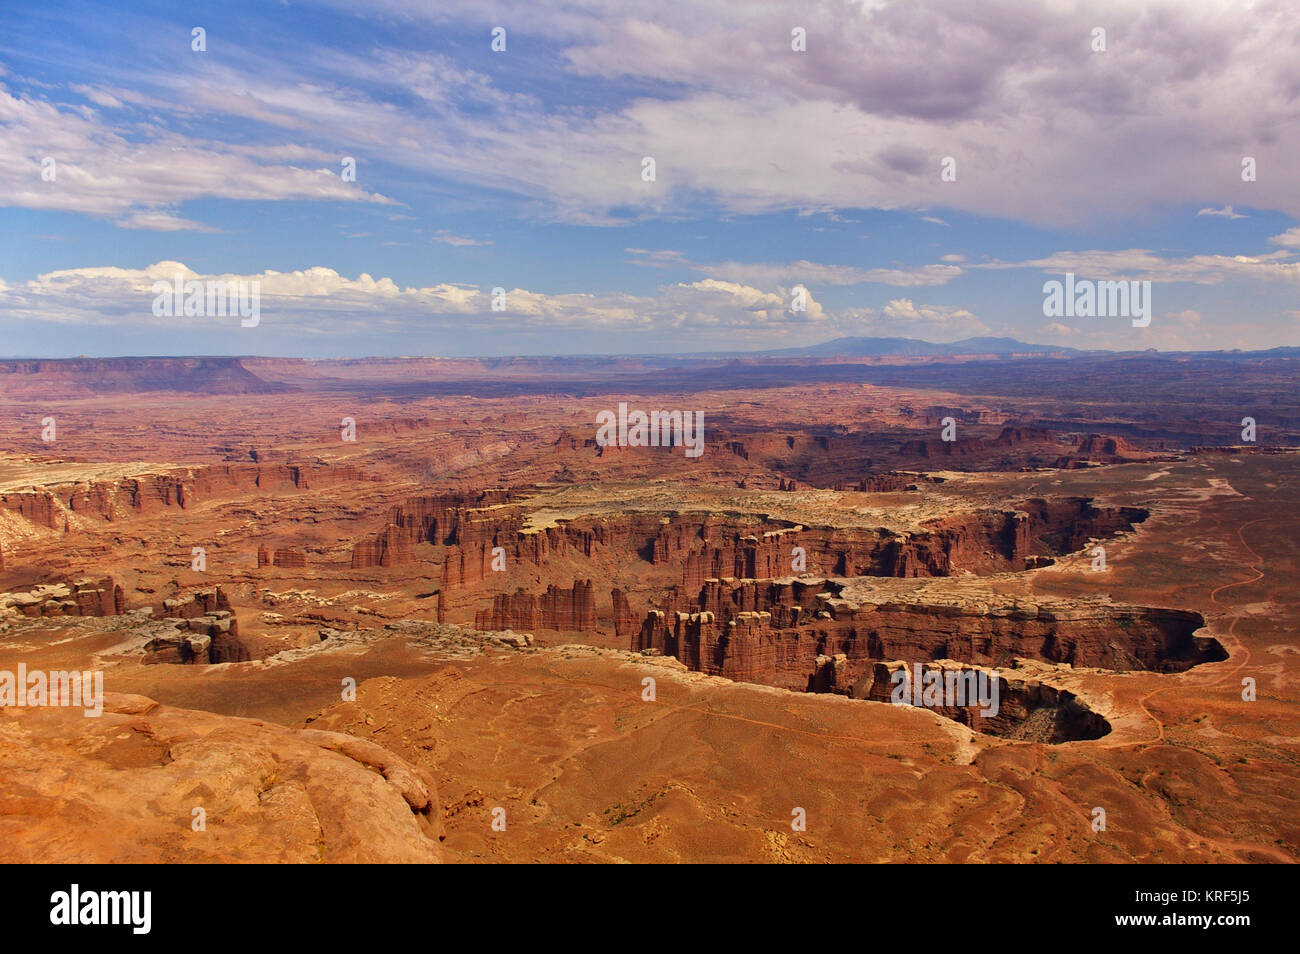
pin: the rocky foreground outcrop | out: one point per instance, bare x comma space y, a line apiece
124, 787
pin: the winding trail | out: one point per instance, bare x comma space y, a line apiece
1215, 679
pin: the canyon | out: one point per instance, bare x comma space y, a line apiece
374, 644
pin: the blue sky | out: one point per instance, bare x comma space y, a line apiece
521, 169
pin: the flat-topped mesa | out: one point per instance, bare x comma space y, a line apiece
190, 605
1010, 437
558, 609
981, 542
1107, 449
935, 413
472, 559
78, 377
772, 632
480, 534
124, 497
891, 482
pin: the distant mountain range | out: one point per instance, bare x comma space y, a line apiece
913, 348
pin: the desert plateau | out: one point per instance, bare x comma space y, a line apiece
471, 633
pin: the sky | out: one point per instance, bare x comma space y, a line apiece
819, 169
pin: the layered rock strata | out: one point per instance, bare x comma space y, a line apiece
204, 629
84, 597
773, 631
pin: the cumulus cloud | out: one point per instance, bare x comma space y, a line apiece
1288, 239
903, 317
320, 300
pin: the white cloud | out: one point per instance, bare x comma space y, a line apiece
447, 238
772, 273
1009, 94
1139, 264
320, 300
1225, 212
903, 317
102, 171
657, 258
883, 93
160, 220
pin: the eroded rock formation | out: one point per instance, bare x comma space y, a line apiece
1024, 708
481, 534
84, 597
52, 506
565, 610
290, 558
1009, 438
773, 631
203, 630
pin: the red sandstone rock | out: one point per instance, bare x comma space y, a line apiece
290, 558
85, 597
116, 499
1010, 437
572, 610
206, 630
773, 632
626, 621
121, 788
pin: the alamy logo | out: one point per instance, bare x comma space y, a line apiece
657, 429
103, 907
57, 688
1088, 299
210, 299
945, 688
